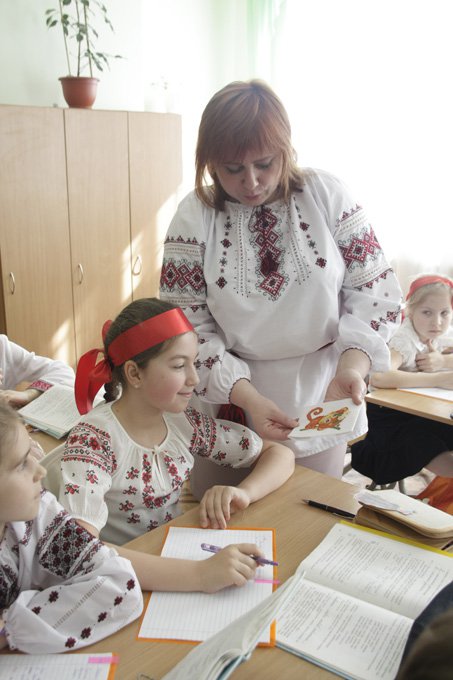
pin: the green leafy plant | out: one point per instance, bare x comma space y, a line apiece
76, 18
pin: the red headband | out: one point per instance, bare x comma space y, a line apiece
91, 376
425, 281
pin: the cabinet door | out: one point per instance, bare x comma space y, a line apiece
155, 175
35, 256
98, 190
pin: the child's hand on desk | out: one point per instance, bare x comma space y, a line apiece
18, 398
430, 361
232, 566
219, 503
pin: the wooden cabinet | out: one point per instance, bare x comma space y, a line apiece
34, 232
155, 170
85, 201
98, 192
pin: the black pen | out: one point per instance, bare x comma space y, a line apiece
329, 508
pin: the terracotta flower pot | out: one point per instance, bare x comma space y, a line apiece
79, 91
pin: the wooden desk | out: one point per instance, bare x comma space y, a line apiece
299, 529
416, 404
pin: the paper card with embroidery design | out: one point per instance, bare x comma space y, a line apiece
328, 418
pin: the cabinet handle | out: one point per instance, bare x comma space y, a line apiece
137, 268
80, 270
12, 283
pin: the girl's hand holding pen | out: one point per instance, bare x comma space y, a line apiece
219, 503
231, 566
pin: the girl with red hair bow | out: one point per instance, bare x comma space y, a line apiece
125, 462
398, 444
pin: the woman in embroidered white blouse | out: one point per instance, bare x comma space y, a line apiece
280, 273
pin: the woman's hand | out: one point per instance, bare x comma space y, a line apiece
349, 379
219, 503
232, 566
267, 419
347, 383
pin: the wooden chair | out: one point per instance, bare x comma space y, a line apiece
372, 485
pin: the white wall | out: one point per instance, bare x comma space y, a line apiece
184, 43
33, 56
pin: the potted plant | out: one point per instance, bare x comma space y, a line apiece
77, 19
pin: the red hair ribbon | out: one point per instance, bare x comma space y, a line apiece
91, 376
425, 281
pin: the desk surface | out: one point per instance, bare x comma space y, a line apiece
410, 402
299, 529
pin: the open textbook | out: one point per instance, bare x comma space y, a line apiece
352, 611
54, 411
327, 418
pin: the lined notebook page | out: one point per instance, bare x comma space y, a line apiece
197, 616
435, 392
47, 666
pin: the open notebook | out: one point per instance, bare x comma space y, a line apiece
196, 616
219, 655
434, 392
99, 666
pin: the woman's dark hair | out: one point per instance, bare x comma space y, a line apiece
243, 116
136, 312
9, 420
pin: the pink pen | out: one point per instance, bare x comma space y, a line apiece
215, 549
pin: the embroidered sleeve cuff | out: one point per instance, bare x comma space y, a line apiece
232, 386
360, 349
40, 385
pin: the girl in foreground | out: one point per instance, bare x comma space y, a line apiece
125, 462
60, 588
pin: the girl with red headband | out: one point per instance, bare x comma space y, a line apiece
398, 444
125, 462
